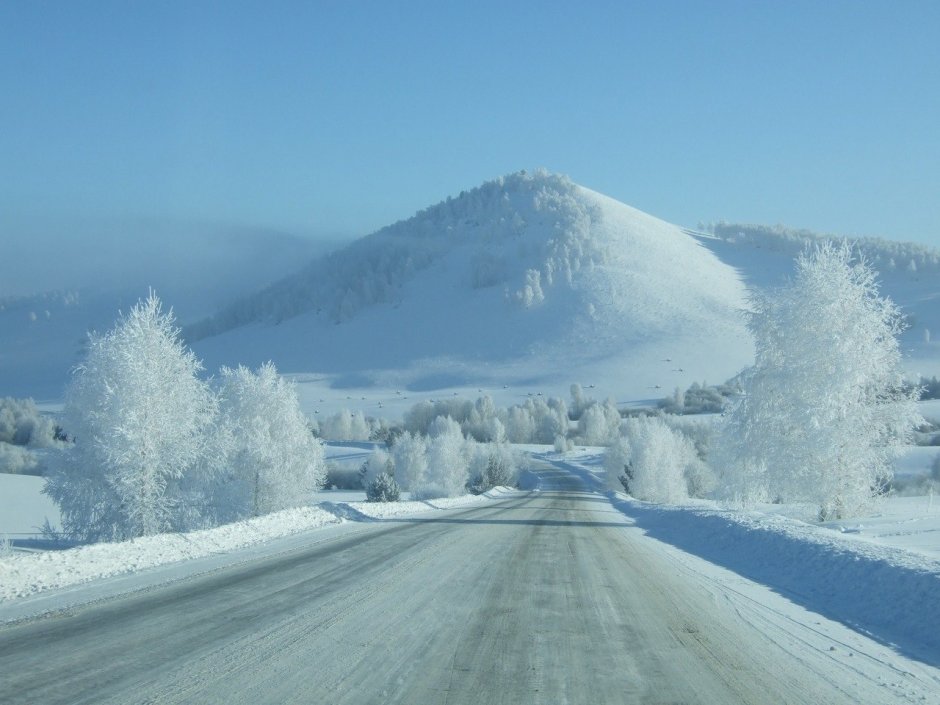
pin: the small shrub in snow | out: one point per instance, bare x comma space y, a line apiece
382, 488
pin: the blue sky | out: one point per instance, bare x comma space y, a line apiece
336, 118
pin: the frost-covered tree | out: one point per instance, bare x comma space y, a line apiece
551, 419
139, 415
520, 427
383, 488
346, 425
491, 465
617, 466
599, 424
377, 463
409, 455
562, 444
483, 422
275, 462
579, 401
537, 421
18, 460
825, 404
447, 461
658, 460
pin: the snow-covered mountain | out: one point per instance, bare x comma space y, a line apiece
523, 285
529, 280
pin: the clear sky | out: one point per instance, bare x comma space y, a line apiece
336, 118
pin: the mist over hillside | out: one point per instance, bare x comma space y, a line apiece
57, 284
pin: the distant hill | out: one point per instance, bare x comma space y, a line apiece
909, 273
525, 284
528, 279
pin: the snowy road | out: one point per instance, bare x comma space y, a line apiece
552, 597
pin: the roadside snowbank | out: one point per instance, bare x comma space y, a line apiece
360, 511
23, 574
885, 591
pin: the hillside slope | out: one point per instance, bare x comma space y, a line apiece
908, 273
526, 280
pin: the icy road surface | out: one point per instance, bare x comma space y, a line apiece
553, 597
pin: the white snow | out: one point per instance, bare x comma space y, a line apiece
388, 510
520, 287
870, 575
28, 573
23, 507
23, 574
429, 306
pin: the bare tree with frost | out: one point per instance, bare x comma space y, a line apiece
409, 455
825, 405
275, 462
655, 461
447, 461
139, 415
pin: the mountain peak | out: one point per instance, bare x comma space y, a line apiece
527, 265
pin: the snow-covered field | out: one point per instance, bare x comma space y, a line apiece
23, 507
